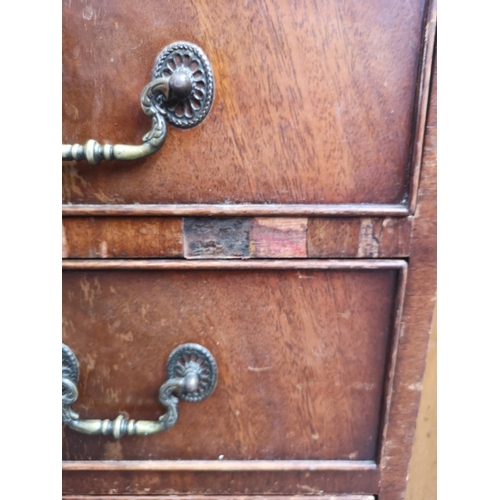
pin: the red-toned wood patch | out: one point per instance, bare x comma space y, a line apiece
278, 237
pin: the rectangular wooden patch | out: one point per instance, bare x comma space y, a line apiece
207, 238
122, 237
235, 237
278, 237
369, 237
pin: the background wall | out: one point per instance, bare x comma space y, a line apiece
423, 465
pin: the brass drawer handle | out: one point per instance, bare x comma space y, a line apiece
181, 93
192, 376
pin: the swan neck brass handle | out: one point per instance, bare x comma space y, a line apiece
192, 376
181, 93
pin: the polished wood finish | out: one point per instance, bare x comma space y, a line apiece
220, 465
417, 315
317, 107
238, 210
161, 264
264, 328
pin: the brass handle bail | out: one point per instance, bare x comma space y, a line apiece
192, 376
181, 93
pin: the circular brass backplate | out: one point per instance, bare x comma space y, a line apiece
70, 368
192, 90
193, 358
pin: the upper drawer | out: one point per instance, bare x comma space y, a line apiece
314, 102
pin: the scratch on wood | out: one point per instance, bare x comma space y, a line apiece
259, 369
368, 245
64, 244
363, 386
415, 387
88, 13
103, 249
304, 487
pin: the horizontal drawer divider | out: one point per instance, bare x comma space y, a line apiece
220, 465
240, 209
311, 264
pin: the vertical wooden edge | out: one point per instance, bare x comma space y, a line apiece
391, 364
418, 307
422, 100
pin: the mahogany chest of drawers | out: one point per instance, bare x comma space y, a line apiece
248, 291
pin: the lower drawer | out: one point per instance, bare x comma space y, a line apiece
303, 351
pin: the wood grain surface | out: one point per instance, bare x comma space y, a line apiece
153, 483
109, 237
302, 351
321, 145
417, 315
314, 103
278, 237
112, 237
359, 237
422, 104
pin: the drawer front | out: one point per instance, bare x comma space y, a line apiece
314, 104
302, 356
